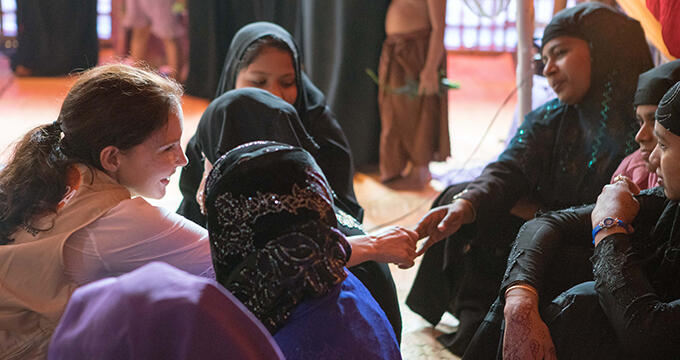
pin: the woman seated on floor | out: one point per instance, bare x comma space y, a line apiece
276, 247
265, 56
541, 243
250, 114
652, 85
632, 310
562, 155
66, 199
159, 312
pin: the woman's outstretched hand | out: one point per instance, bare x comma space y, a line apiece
442, 222
526, 336
394, 244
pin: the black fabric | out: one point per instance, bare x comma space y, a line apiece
653, 84
551, 252
245, 115
56, 37
636, 293
560, 156
668, 112
272, 229
327, 33
334, 156
235, 118
636, 279
577, 324
212, 25
340, 40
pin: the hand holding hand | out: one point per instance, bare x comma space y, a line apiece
616, 200
526, 336
394, 244
397, 245
443, 221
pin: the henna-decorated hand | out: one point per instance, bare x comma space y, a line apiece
526, 336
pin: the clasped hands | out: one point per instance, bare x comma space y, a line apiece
398, 245
615, 201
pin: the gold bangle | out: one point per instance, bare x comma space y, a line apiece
522, 286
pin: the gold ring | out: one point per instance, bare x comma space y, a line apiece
620, 178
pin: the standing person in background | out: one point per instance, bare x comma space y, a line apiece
161, 18
415, 127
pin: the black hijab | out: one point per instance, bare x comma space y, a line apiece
653, 84
668, 113
617, 59
250, 114
334, 156
272, 229
585, 142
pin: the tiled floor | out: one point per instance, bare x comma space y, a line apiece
485, 82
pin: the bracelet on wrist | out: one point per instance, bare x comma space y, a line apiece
521, 286
610, 222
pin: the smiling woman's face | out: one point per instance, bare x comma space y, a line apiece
145, 169
272, 70
567, 68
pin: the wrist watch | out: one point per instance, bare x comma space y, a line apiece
610, 222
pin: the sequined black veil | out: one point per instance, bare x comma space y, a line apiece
586, 141
272, 229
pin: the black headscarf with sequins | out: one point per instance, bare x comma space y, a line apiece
668, 112
272, 229
618, 57
579, 146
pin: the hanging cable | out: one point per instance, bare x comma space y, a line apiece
474, 151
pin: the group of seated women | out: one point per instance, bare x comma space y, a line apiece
267, 257
561, 156
74, 213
